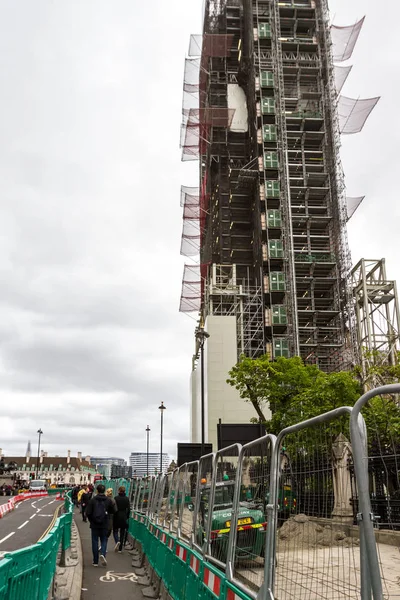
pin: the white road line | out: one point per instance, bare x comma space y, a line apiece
33, 516
23, 524
45, 515
7, 536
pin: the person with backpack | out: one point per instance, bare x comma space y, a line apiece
98, 511
120, 521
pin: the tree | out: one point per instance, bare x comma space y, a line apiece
292, 390
295, 392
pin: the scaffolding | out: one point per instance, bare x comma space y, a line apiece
263, 112
377, 314
226, 297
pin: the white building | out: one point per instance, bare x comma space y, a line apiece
138, 462
54, 469
221, 400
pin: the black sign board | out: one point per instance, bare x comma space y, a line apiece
238, 433
190, 452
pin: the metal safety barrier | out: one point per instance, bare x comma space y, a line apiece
29, 572
274, 518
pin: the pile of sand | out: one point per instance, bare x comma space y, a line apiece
301, 531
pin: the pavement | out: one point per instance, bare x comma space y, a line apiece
116, 580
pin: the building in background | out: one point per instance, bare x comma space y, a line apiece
58, 470
263, 114
104, 464
138, 462
121, 471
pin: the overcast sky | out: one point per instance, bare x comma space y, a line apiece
90, 174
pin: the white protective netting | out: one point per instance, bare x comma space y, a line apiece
353, 112
189, 195
191, 75
341, 73
344, 39
191, 289
190, 243
352, 203
195, 44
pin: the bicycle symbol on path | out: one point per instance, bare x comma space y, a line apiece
111, 576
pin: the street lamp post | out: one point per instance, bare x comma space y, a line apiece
40, 432
201, 337
162, 408
147, 451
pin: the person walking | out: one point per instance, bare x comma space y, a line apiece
120, 520
109, 494
74, 495
85, 499
98, 511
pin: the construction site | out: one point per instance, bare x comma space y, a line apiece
265, 229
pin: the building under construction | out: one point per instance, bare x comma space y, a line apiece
263, 114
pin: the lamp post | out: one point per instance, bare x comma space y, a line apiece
147, 451
40, 432
201, 337
162, 408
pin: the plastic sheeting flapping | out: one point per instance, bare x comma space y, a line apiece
344, 39
191, 289
341, 74
211, 44
352, 204
353, 113
191, 75
189, 195
190, 243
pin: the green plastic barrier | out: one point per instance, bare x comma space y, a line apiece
213, 583
233, 593
53, 491
159, 560
114, 484
193, 575
162, 554
151, 545
5, 574
170, 550
48, 550
179, 570
27, 574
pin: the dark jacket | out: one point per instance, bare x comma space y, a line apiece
86, 498
109, 510
123, 510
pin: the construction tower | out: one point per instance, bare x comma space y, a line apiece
266, 227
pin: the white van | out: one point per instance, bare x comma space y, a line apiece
38, 485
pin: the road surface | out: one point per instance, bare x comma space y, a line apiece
27, 523
5, 499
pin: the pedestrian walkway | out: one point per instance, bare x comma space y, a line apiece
116, 580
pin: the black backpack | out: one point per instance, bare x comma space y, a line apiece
99, 516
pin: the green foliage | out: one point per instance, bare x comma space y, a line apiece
295, 392
292, 390
377, 370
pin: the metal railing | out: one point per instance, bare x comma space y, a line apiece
274, 518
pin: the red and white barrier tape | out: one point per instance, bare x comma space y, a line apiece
194, 564
212, 581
